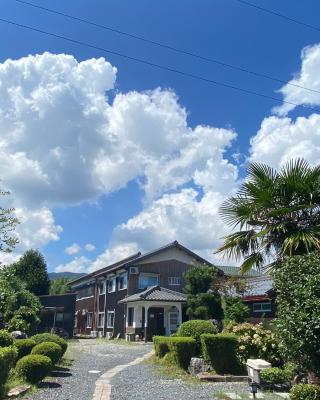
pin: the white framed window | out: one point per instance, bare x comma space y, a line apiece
174, 280
148, 280
102, 287
110, 319
123, 281
85, 293
130, 316
89, 320
262, 307
59, 317
173, 321
112, 284
101, 320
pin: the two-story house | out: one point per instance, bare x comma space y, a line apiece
140, 295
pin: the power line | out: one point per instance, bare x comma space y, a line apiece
168, 47
158, 66
277, 14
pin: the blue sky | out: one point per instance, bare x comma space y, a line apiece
226, 30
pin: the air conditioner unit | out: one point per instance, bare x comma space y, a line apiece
84, 312
134, 270
94, 334
109, 335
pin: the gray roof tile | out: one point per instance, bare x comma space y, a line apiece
156, 293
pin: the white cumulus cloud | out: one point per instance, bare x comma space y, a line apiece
73, 249
89, 247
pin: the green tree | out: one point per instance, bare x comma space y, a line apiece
60, 286
32, 269
235, 310
298, 311
8, 223
276, 213
203, 302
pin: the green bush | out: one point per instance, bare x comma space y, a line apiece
305, 392
51, 337
221, 351
276, 375
182, 349
33, 368
195, 328
235, 310
8, 356
5, 338
161, 345
49, 349
24, 346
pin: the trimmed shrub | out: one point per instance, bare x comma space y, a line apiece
182, 349
195, 328
33, 368
51, 337
5, 338
24, 346
221, 351
276, 375
49, 349
305, 392
8, 356
161, 345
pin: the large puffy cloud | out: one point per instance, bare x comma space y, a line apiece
308, 77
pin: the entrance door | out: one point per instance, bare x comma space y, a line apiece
155, 322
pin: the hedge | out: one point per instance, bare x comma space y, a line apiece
8, 356
24, 346
182, 349
49, 349
161, 345
276, 375
221, 351
51, 337
5, 338
195, 328
33, 368
305, 392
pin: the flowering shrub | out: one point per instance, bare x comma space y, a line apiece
256, 342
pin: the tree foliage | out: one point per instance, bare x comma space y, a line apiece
203, 302
32, 269
276, 213
235, 310
60, 286
298, 310
8, 223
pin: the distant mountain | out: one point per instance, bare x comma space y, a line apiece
71, 275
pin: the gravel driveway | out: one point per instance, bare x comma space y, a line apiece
89, 355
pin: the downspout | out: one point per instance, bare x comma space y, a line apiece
94, 328
105, 306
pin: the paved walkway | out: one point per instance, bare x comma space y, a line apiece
93, 359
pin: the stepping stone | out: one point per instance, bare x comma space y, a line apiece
233, 396
18, 390
283, 395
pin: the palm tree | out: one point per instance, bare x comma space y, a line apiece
276, 213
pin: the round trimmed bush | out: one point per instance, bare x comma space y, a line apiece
51, 337
8, 356
49, 349
33, 368
5, 338
195, 328
305, 392
24, 346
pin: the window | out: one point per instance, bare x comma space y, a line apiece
130, 316
110, 319
173, 321
85, 292
174, 280
112, 285
148, 280
101, 320
59, 317
89, 320
262, 307
123, 280
102, 287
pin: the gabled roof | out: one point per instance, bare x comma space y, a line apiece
258, 287
236, 271
156, 293
109, 268
171, 245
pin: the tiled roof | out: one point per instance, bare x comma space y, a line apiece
235, 271
156, 293
259, 286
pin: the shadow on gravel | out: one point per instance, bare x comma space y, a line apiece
60, 372
49, 385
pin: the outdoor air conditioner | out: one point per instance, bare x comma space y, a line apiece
94, 334
134, 270
84, 312
109, 335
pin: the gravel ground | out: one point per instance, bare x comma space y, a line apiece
77, 383
142, 381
